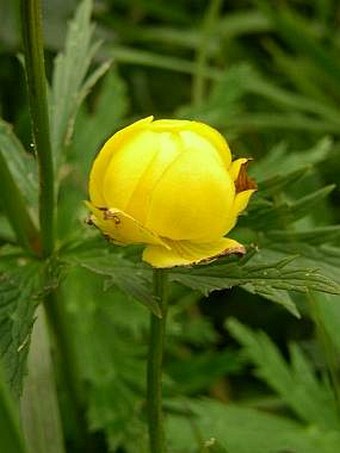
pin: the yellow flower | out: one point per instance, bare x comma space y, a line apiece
172, 185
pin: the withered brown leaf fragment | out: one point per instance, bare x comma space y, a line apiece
243, 181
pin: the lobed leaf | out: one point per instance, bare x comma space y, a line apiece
130, 278
270, 279
269, 215
21, 288
70, 86
311, 399
239, 429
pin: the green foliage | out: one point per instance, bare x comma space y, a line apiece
242, 430
11, 436
21, 288
266, 278
272, 78
19, 194
21, 166
110, 350
70, 86
311, 399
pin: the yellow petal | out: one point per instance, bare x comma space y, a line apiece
187, 253
135, 170
240, 204
192, 199
235, 167
103, 158
241, 201
122, 228
203, 130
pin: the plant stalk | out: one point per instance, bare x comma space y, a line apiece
31, 22
155, 363
67, 367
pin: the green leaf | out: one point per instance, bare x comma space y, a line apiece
21, 287
270, 215
39, 404
133, 279
275, 184
240, 429
21, 165
324, 258
18, 189
91, 129
111, 352
11, 440
268, 278
312, 400
314, 236
70, 86
328, 310
223, 101
297, 32
198, 372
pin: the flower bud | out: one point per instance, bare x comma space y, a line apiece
172, 185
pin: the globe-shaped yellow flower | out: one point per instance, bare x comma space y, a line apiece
171, 185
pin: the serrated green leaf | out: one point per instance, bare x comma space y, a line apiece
242, 430
281, 161
223, 101
297, 384
21, 286
132, 279
70, 86
277, 296
324, 258
111, 352
18, 190
267, 278
93, 128
283, 213
275, 184
315, 236
297, 32
198, 372
21, 166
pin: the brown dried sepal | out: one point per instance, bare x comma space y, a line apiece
243, 181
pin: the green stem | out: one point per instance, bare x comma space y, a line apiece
67, 367
327, 346
35, 72
31, 19
155, 362
11, 440
203, 51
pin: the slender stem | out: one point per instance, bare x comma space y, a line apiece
327, 346
31, 22
155, 362
203, 50
11, 435
67, 366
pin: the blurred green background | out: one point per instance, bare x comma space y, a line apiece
267, 75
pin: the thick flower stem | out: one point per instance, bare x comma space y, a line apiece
155, 361
35, 71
